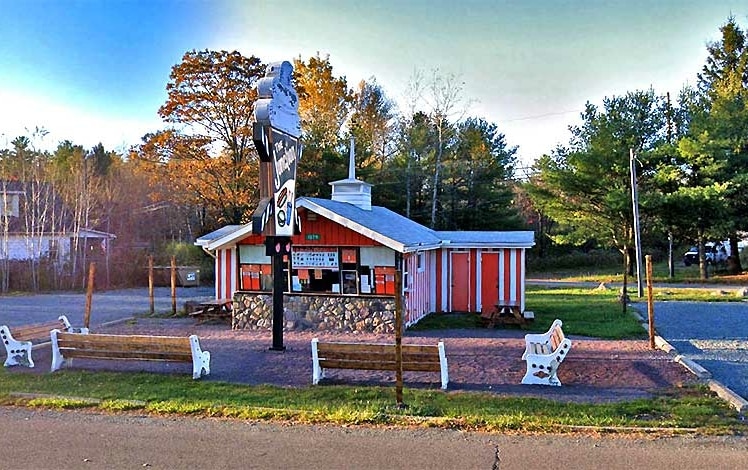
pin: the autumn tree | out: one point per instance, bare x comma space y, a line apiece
371, 125
324, 105
212, 94
185, 174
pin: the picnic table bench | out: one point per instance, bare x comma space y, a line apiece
218, 309
20, 340
371, 356
66, 346
544, 353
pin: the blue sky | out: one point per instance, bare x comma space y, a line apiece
96, 70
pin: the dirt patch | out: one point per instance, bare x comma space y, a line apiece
479, 360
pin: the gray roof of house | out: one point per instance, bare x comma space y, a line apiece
384, 226
388, 225
505, 239
216, 234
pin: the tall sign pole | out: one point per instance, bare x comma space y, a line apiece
277, 136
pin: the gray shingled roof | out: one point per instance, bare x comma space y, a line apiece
385, 226
505, 239
382, 221
216, 234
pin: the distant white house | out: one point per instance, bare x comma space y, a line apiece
32, 229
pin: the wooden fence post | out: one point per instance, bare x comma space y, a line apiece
173, 285
650, 303
151, 298
89, 294
398, 339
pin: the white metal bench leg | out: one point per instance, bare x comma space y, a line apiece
18, 352
541, 371
443, 365
317, 372
200, 358
57, 360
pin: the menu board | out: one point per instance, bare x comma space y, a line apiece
315, 258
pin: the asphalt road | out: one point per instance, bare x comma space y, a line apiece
42, 439
105, 306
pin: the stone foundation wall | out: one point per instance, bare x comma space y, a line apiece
253, 311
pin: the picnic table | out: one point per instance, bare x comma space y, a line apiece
504, 315
216, 309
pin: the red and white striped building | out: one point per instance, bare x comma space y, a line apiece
347, 247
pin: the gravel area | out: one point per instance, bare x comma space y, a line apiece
713, 334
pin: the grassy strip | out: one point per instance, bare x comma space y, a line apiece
585, 312
682, 275
175, 394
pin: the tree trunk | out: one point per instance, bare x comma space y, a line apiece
703, 268
733, 261
631, 255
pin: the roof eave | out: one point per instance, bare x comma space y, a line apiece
348, 223
228, 239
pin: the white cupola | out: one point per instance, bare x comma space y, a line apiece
351, 190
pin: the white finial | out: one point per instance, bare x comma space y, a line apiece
352, 162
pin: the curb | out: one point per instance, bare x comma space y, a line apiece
725, 393
735, 400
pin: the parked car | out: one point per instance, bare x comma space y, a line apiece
714, 253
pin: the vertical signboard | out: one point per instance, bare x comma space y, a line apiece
277, 137
285, 151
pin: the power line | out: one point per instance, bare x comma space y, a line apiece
540, 116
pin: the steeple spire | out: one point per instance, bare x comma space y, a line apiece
351, 190
352, 161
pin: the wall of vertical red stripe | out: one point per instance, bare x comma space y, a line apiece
225, 268
418, 294
424, 286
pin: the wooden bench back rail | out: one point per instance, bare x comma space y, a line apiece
544, 353
19, 340
368, 356
66, 346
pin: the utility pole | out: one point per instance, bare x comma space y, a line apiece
670, 257
637, 231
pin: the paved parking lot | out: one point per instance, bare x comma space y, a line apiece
713, 334
105, 306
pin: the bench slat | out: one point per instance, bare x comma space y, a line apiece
368, 365
385, 357
121, 354
35, 331
373, 348
125, 341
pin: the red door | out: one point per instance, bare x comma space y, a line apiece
489, 290
460, 285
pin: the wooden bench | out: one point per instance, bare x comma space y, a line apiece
20, 340
543, 354
368, 356
219, 309
66, 346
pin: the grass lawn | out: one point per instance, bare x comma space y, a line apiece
684, 410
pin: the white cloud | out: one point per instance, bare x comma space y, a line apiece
21, 114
